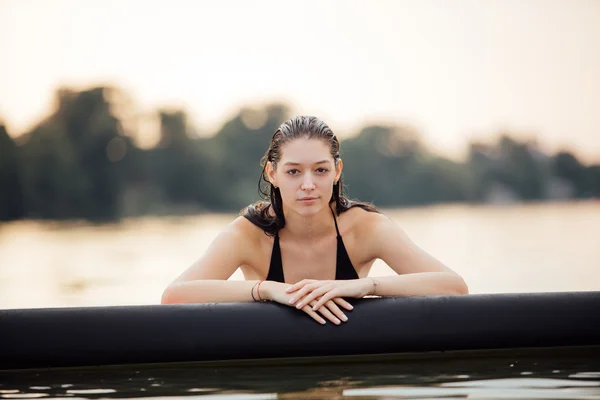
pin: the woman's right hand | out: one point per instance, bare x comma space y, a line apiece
276, 291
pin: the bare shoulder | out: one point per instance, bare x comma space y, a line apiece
358, 227
377, 236
362, 223
245, 232
233, 247
237, 240
254, 245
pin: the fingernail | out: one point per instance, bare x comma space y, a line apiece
292, 300
315, 308
350, 306
322, 322
299, 306
344, 318
337, 321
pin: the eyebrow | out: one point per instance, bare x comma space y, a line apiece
317, 163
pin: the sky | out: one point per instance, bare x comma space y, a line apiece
454, 69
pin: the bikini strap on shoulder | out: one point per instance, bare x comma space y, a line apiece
335, 222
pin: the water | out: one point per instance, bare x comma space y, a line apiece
531, 377
521, 248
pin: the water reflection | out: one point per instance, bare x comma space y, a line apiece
578, 377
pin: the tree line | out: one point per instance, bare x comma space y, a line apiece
83, 161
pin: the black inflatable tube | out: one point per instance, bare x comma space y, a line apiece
94, 336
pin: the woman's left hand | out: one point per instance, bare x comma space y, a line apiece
308, 290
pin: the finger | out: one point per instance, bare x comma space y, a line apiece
314, 315
298, 285
314, 295
327, 314
300, 294
335, 310
325, 298
303, 292
343, 303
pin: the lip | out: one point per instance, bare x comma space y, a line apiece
308, 199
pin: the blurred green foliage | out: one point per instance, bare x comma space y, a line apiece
82, 162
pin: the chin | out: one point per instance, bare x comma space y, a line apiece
308, 209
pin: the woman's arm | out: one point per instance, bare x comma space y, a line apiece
419, 273
208, 291
206, 280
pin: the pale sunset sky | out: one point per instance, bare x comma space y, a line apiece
452, 68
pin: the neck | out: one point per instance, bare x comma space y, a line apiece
300, 227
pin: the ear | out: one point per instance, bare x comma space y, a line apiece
270, 172
338, 170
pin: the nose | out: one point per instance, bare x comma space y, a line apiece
308, 183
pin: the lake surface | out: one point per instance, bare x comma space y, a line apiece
531, 377
497, 249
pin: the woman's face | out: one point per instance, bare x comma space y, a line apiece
305, 175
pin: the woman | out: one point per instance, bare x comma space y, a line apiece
308, 246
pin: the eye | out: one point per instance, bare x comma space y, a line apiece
292, 172
322, 170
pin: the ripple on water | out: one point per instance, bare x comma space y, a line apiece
522, 383
592, 375
230, 396
521, 388
91, 391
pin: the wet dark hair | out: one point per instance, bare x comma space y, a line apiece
300, 127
